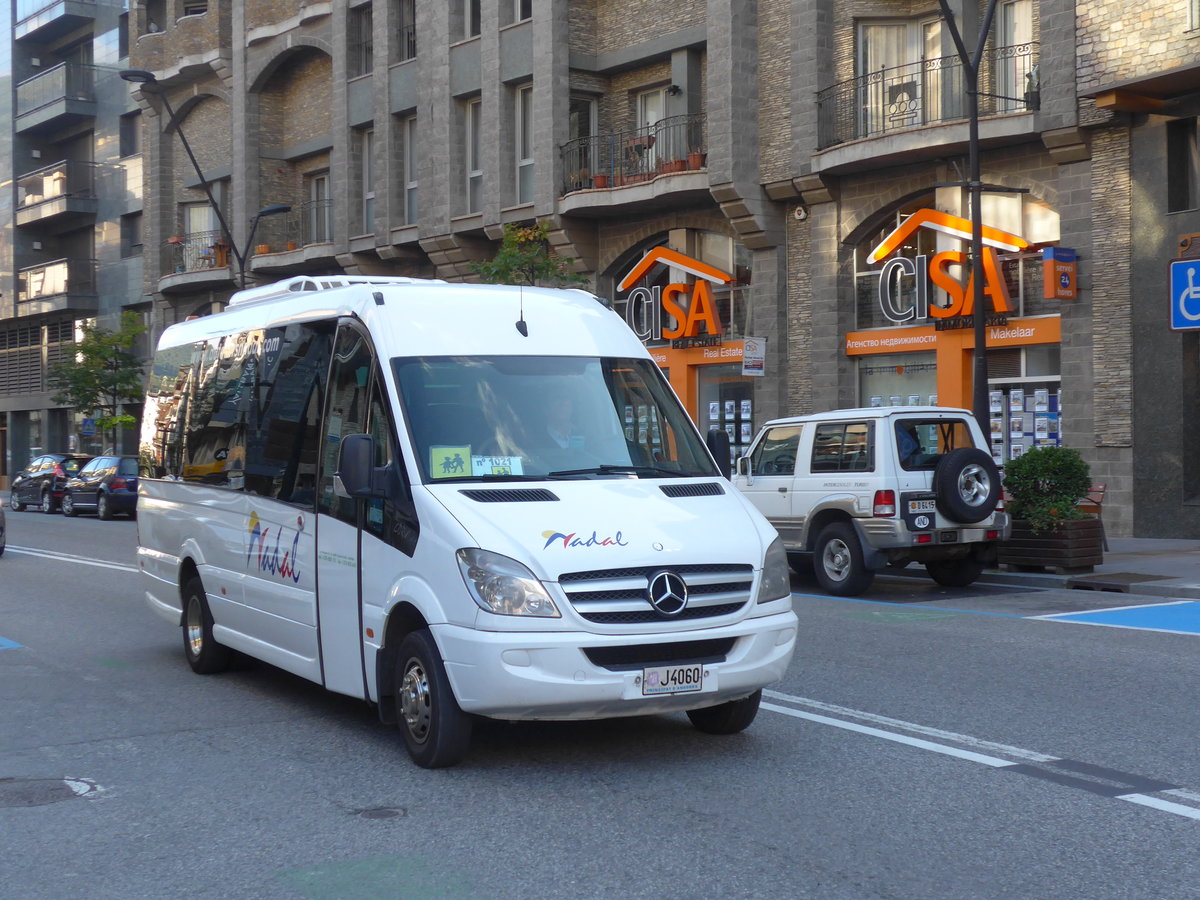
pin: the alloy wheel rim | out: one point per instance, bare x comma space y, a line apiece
195, 628
974, 485
416, 704
836, 559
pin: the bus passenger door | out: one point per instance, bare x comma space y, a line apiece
357, 540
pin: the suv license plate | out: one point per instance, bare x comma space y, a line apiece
672, 679
922, 506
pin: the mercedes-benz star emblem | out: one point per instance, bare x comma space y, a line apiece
667, 593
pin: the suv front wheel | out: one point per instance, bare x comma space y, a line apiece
838, 561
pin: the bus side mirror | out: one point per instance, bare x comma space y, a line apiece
718, 445
357, 476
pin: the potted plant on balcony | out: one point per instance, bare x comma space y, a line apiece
1049, 530
175, 239
696, 159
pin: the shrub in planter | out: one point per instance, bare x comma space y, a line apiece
1045, 485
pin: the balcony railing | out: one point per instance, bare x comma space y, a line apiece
614, 159
69, 178
39, 287
316, 222
927, 92
66, 81
195, 252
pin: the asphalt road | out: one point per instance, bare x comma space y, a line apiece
926, 743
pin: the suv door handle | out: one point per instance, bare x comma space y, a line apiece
782, 490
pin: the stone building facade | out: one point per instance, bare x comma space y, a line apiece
775, 141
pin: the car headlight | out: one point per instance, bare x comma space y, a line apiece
503, 586
776, 580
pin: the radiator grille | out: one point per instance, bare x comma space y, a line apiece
618, 596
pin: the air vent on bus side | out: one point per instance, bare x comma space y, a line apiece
521, 495
707, 489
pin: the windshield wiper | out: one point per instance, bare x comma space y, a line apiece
627, 469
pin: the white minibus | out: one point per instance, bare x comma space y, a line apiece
452, 501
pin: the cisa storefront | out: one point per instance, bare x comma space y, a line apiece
685, 295
915, 338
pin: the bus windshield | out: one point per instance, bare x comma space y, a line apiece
501, 418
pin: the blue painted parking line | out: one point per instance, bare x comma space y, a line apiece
6, 644
1176, 617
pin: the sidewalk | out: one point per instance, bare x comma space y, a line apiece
1151, 567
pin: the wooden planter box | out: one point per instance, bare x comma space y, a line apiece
1076, 546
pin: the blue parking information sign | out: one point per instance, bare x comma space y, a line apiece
1185, 294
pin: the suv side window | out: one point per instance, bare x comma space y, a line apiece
844, 447
776, 452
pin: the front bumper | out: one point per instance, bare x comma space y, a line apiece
547, 676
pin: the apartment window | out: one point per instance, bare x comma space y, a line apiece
470, 16
405, 17
524, 132
130, 138
123, 36
364, 173
318, 209
131, 235
1183, 165
156, 15
1014, 75
195, 8
360, 34
896, 88
408, 130
522, 10
474, 156
1193, 14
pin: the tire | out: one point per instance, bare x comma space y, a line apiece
967, 484
726, 718
954, 572
838, 561
103, 507
48, 506
204, 654
68, 506
436, 731
14, 504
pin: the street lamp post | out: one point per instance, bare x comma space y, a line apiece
970, 65
150, 80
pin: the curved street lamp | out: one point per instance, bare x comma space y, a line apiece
149, 81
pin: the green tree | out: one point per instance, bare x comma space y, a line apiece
103, 375
525, 257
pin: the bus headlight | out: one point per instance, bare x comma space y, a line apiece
776, 580
503, 586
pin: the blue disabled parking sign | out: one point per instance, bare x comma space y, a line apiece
1185, 294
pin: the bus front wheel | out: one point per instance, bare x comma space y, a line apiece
436, 731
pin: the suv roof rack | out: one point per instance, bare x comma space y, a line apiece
302, 283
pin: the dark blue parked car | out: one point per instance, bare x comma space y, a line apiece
106, 484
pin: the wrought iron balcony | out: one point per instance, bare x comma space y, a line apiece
927, 92
64, 285
197, 251
618, 158
59, 96
63, 193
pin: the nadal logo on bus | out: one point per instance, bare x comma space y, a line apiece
647, 308
937, 270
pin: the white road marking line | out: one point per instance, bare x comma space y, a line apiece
977, 743
1162, 805
1165, 805
891, 736
63, 557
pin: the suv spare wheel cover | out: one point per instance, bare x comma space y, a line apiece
967, 484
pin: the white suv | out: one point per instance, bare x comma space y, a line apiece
863, 489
